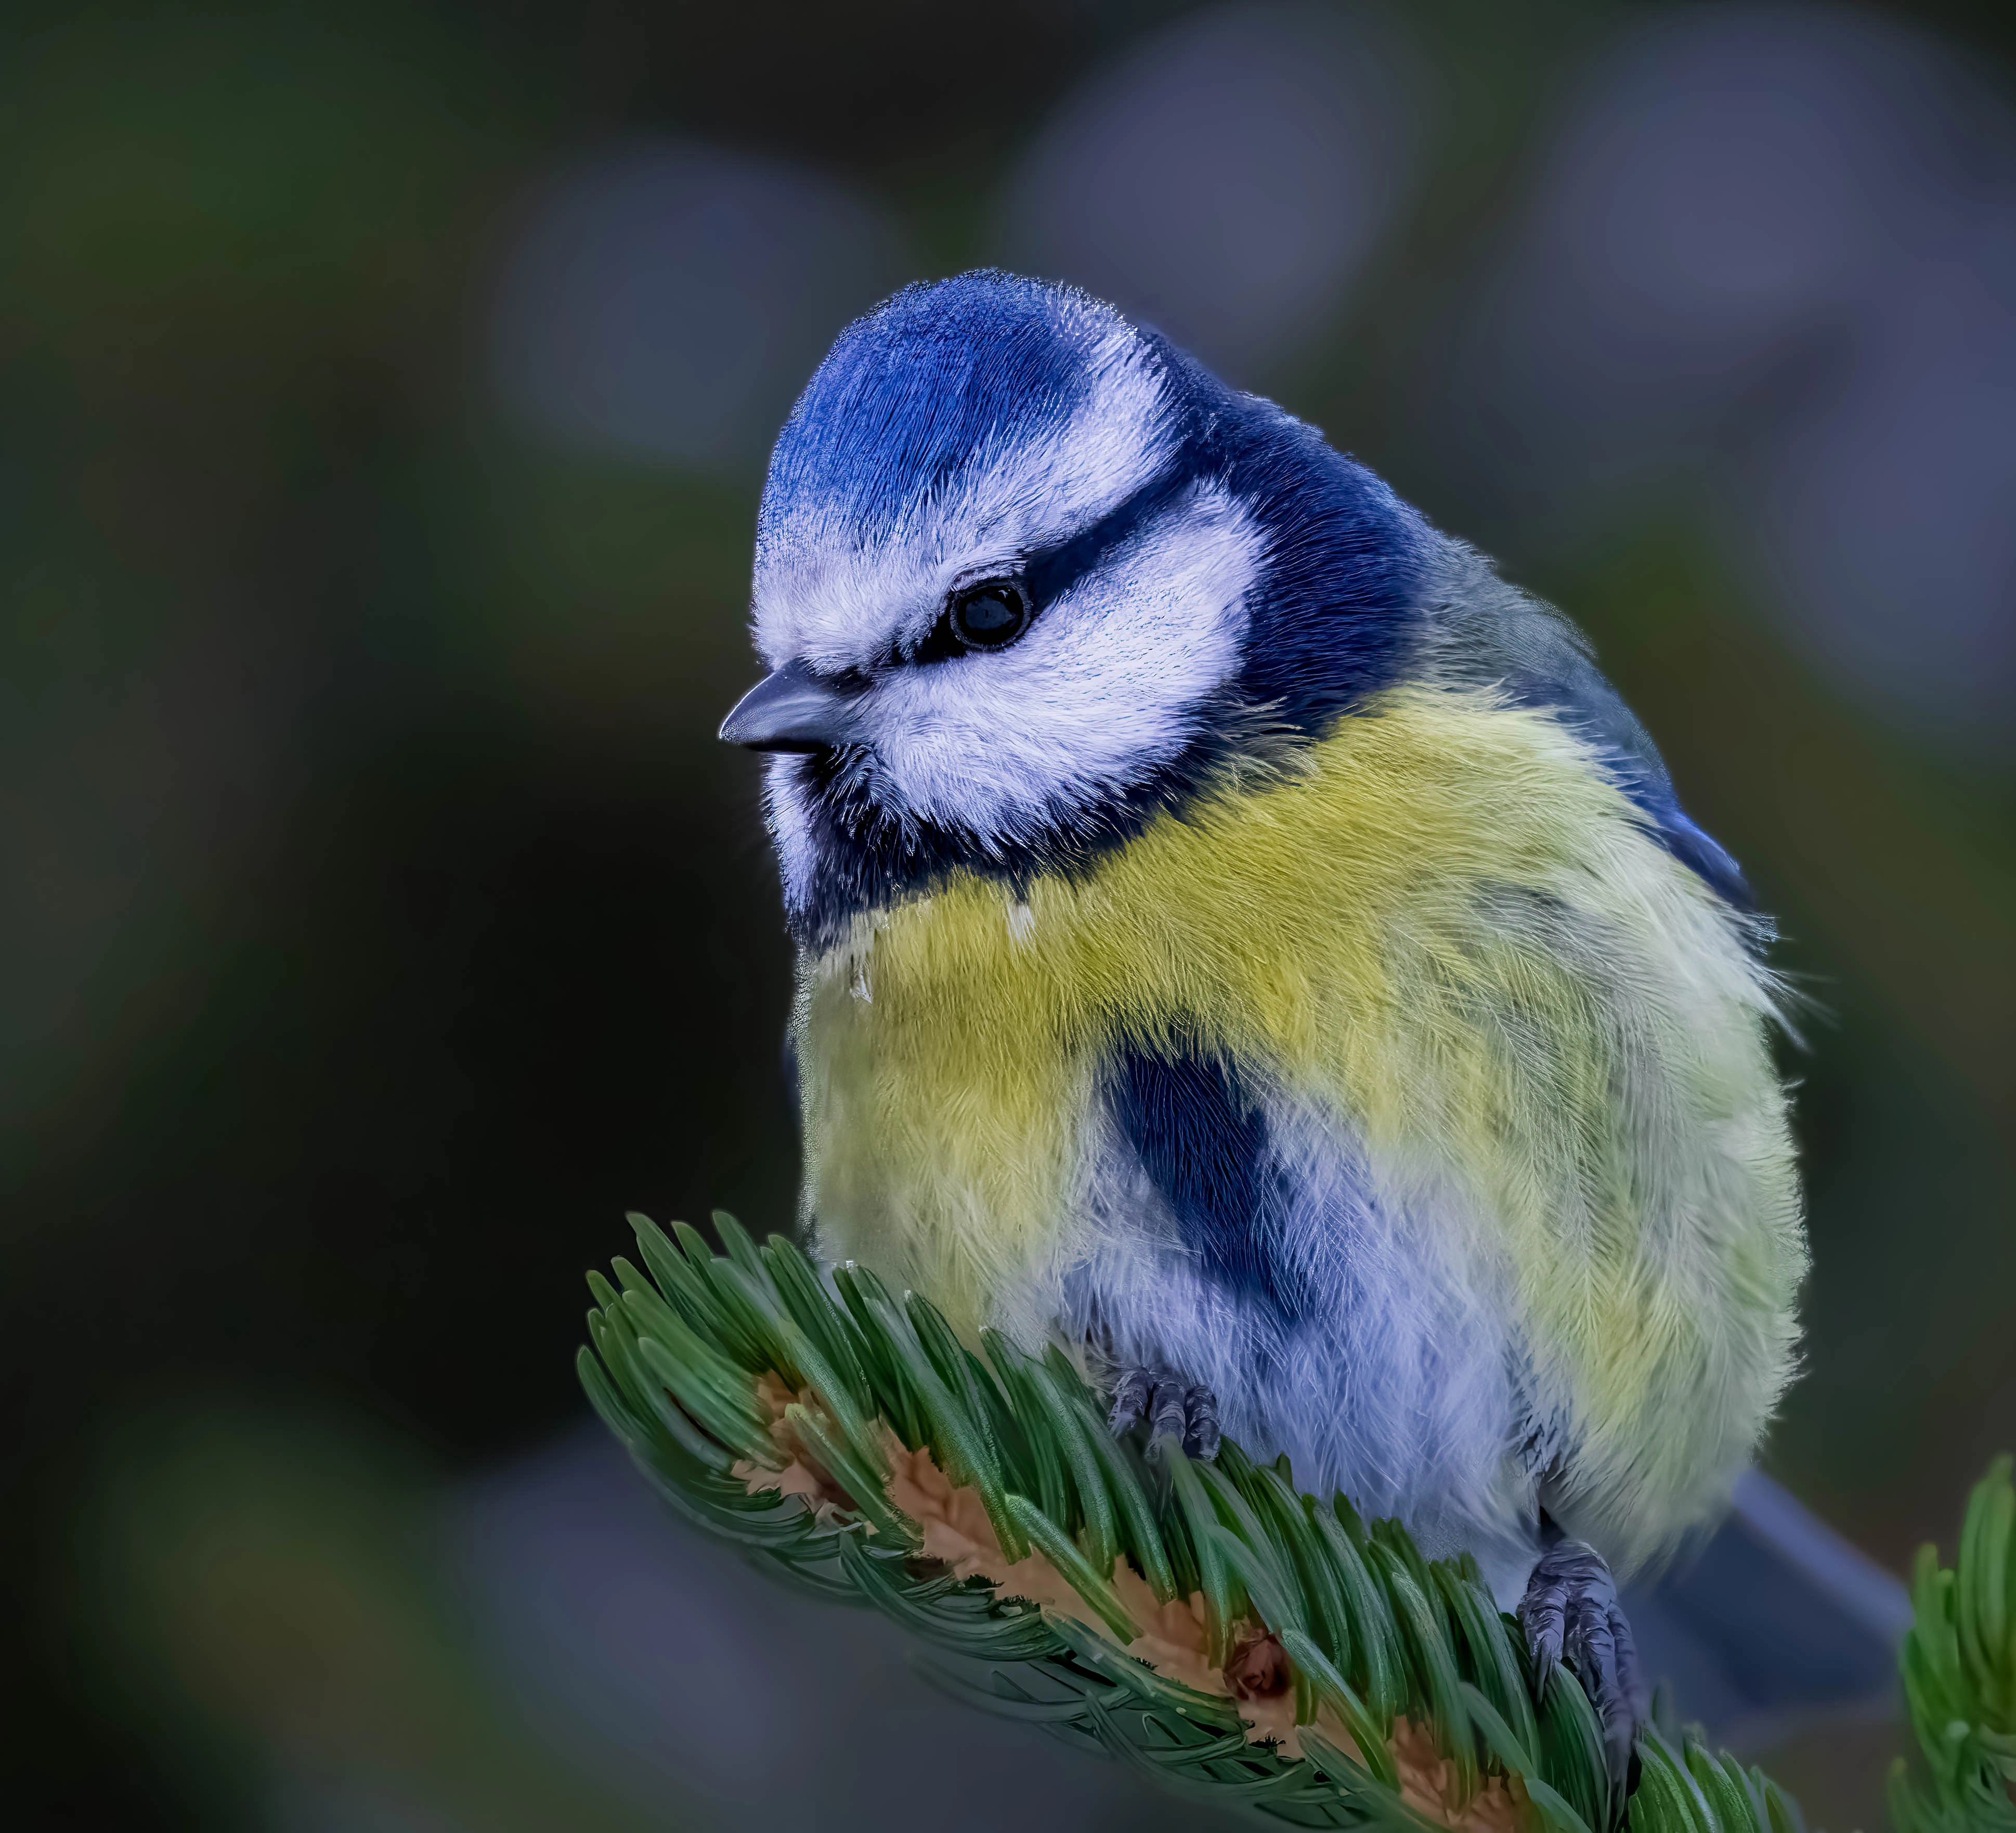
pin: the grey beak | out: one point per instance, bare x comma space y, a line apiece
790, 711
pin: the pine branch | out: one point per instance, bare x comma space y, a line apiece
1958, 1664
1398, 1693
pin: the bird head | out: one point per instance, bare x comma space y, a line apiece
1026, 575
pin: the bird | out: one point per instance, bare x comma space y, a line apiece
1244, 939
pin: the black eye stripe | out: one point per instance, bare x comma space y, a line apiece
1050, 572
1053, 571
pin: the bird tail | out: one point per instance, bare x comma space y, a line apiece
1775, 1624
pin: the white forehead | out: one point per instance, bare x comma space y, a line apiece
835, 594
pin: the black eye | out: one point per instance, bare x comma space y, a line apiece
990, 615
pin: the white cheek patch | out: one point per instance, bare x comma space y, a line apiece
824, 597
1103, 690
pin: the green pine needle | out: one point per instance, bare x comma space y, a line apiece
1958, 1664
1368, 1627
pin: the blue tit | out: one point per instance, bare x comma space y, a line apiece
1242, 936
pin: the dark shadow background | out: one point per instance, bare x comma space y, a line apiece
384, 396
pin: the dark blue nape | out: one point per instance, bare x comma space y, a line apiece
1201, 1137
1333, 619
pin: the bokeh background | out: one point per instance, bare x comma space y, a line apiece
384, 392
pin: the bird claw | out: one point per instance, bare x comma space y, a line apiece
1572, 1614
1177, 1412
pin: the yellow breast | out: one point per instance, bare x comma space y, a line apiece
1391, 928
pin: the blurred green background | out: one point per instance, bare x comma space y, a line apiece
384, 397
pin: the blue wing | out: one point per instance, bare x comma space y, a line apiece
1486, 632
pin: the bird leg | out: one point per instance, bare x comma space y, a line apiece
1177, 1412
1571, 1613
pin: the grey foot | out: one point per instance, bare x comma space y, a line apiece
1571, 1613
1175, 1411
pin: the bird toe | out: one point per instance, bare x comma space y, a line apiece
1177, 1412
1571, 1616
